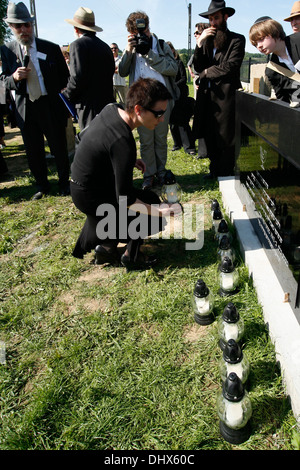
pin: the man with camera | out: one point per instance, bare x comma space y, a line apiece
147, 56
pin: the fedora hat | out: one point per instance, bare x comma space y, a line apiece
295, 11
84, 18
18, 13
217, 6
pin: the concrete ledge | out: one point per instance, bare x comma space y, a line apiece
283, 326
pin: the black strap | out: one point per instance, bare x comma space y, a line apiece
297, 304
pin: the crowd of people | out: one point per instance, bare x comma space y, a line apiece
92, 78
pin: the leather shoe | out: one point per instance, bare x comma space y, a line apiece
103, 256
148, 183
176, 147
38, 195
142, 262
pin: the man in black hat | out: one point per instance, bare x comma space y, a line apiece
218, 58
36, 71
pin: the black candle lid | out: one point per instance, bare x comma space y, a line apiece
233, 389
201, 290
230, 313
232, 353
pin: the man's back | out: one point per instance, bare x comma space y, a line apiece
92, 68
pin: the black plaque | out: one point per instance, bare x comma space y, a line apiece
268, 181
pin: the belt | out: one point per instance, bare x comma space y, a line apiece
76, 182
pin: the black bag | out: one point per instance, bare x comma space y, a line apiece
183, 111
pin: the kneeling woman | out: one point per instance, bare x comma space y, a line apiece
102, 179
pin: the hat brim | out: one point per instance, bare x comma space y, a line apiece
8, 20
292, 16
228, 11
81, 26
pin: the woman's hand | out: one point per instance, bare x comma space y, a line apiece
170, 209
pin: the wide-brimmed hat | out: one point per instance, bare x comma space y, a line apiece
295, 11
84, 18
18, 13
217, 6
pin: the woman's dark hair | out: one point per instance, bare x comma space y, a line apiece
146, 92
175, 53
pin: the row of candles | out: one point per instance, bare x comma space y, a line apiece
233, 402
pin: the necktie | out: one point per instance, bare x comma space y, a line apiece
33, 84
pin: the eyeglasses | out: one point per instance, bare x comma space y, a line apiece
157, 114
19, 25
196, 33
114, 48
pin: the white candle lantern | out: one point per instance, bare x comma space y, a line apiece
171, 191
216, 219
230, 325
225, 249
223, 230
203, 303
234, 360
214, 205
229, 278
234, 410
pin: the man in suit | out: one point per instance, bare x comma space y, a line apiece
218, 58
35, 70
92, 67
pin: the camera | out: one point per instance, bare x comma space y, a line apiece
143, 41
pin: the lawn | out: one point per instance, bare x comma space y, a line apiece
97, 358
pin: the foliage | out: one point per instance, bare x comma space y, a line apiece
5, 32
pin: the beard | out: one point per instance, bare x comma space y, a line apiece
24, 40
219, 40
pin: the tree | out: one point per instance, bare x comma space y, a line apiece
5, 32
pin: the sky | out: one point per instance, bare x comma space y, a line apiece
168, 18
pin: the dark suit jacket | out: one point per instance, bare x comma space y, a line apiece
54, 70
92, 67
223, 79
283, 86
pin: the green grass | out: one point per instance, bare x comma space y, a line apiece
98, 358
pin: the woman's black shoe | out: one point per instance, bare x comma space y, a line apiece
142, 262
103, 256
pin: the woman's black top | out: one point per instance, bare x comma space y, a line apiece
105, 158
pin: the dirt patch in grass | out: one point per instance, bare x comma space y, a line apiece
193, 333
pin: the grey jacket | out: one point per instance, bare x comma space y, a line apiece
163, 62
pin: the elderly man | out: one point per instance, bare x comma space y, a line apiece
92, 67
36, 71
218, 58
294, 17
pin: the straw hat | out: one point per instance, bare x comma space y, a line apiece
84, 18
217, 6
18, 13
295, 11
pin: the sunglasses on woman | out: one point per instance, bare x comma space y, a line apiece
157, 114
